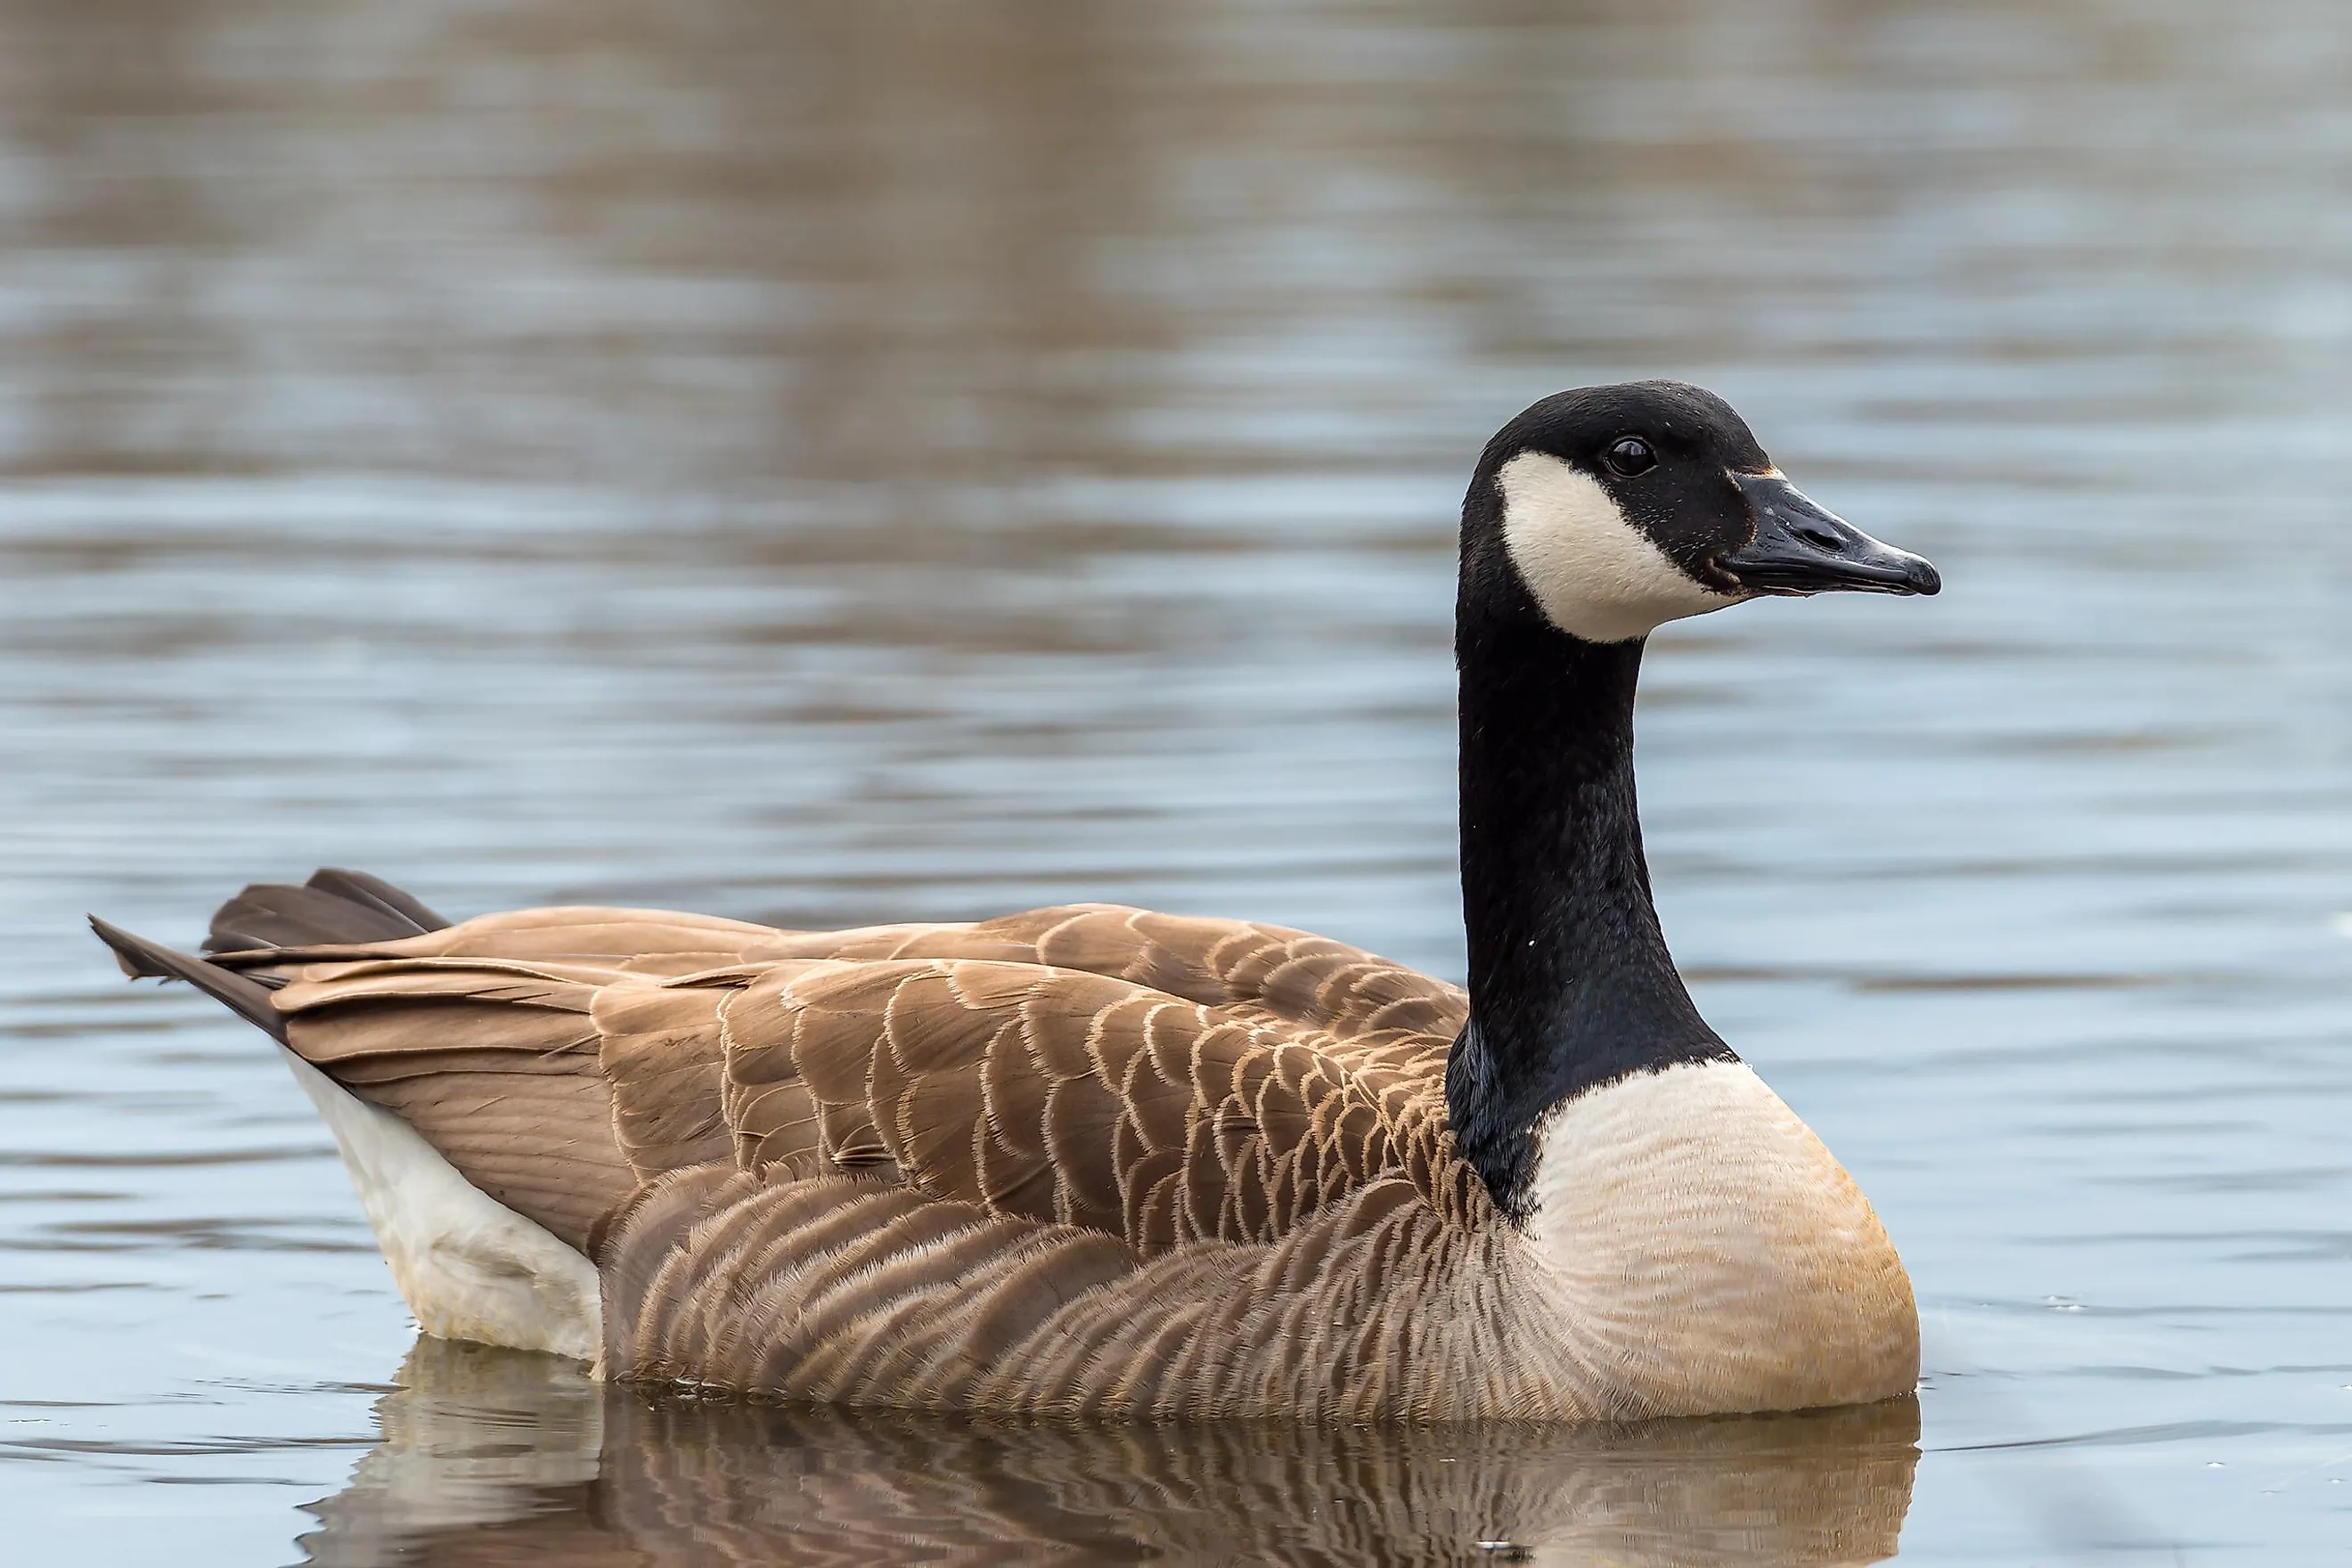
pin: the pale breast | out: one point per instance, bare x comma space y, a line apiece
1695, 1248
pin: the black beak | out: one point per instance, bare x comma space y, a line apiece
1801, 549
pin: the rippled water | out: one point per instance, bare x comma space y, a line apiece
822, 463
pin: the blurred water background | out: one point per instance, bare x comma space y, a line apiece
824, 462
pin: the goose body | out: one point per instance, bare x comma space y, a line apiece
1099, 1161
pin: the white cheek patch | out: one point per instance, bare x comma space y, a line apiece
1595, 574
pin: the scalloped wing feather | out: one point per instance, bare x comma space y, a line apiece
1047, 1162
1160, 1078
1076, 1098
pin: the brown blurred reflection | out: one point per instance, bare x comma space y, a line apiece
706, 241
490, 1457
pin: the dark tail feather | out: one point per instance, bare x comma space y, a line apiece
361, 888
248, 999
335, 908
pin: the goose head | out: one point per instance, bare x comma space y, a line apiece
1607, 511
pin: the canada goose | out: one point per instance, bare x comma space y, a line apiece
1096, 1161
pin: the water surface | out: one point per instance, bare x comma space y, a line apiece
832, 463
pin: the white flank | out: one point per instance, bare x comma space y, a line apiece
468, 1266
1711, 1253
1596, 575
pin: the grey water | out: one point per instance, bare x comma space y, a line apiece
825, 463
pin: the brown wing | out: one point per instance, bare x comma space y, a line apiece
1077, 1099
1156, 1079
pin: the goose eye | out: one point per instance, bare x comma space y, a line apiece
1630, 455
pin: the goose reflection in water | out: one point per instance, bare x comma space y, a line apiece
496, 1456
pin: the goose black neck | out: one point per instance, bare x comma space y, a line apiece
1570, 982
